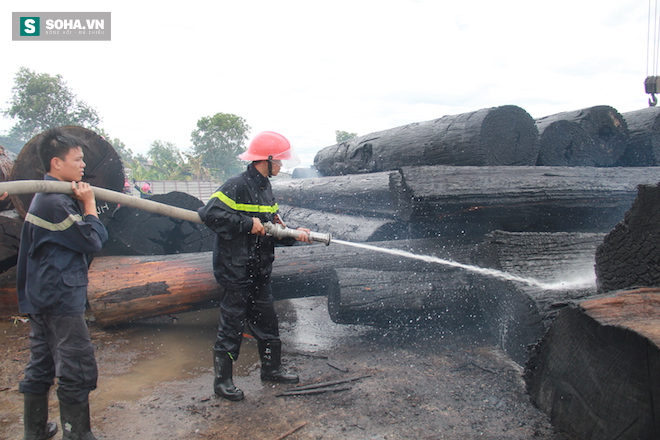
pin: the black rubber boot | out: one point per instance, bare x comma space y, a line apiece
270, 353
223, 385
35, 418
75, 421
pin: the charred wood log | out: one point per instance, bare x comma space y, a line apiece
503, 135
606, 127
8, 298
518, 314
522, 199
440, 296
343, 227
565, 143
630, 254
10, 231
643, 146
6, 164
104, 168
365, 195
595, 373
134, 231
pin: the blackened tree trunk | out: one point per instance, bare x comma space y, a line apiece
343, 227
606, 127
518, 199
436, 295
6, 164
134, 231
596, 371
10, 232
630, 254
104, 168
643, 147
364, 195
516, 313
503, 135
565, 143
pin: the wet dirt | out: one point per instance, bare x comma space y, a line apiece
155, 382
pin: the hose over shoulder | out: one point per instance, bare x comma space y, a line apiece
47, 186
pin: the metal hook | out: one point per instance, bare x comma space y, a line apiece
653, 100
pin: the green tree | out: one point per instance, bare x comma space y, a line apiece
342, 136
40, 101
164, 152
218, 140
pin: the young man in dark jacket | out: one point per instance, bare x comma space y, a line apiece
242, 262
58, 234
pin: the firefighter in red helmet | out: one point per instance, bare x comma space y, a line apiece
242, 262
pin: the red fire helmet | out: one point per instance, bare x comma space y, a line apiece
268, 145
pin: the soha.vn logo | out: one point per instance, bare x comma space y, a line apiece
30, 26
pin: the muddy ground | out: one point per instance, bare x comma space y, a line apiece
411, 383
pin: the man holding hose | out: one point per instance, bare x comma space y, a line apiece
59, 233
242, 262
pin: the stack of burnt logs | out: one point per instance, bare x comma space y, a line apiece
497, 192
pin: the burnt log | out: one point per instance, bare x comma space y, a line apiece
564, 143
643, 146
440, 296
365, 195
134, 231
343, 227
630, 253
10, 231
596, 372
104, 168
503, 135
6, 164
517, 199
606, 127
127, 288
8, 298
518, 314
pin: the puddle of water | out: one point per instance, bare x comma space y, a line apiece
182, 349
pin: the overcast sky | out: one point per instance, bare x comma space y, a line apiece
308, 68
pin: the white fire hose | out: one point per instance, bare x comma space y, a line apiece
50, 186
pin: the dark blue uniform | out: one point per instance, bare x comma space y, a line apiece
242, 262
52, 289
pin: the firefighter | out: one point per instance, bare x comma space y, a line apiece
242, 262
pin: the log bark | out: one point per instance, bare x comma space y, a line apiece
629, 254
134, 231
104, 168
596, 371
606, 127
503, 135
8, 298
343, 227
518, 314
365, 195
10, 231
6, 164
564, 143
438, 296
522, 199
643, 146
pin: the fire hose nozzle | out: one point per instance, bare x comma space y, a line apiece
279, 231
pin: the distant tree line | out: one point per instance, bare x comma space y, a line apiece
40, 101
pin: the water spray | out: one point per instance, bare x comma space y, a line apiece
276, 230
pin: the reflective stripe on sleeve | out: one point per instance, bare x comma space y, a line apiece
244, 206
61, 226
